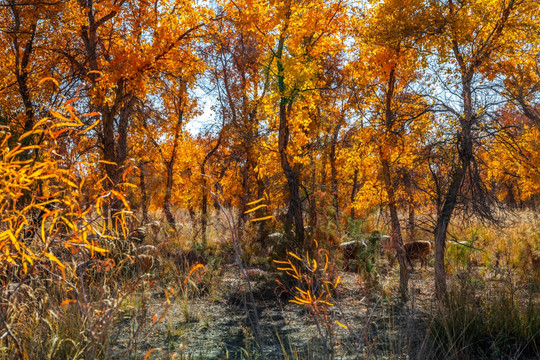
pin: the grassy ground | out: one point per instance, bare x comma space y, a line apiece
151, 300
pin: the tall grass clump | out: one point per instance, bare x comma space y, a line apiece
499, 325
68, 259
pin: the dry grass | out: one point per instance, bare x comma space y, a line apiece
106, 311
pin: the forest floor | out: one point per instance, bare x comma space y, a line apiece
216, 325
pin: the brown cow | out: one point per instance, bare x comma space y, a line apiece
417, 250
350, 250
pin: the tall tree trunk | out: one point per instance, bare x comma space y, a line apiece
262, 228
204, 184
246, 193
168, 194
465, 155
333, 174
313, 200
292, 173
22, 62
144, 200
467, 67
411, 222
440, 233
124, 120
108, 142
179, 107
295, 211
204, 208
353, 192
22, 53
89, 35
389, 186
397, 240
111, 169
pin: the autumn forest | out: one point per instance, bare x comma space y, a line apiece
270, 179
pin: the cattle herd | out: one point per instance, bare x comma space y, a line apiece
414, 250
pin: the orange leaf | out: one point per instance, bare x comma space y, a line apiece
95, 113
68, 301
149, 352
48, 78
193, 269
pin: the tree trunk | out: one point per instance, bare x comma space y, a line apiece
333, 172
204, 184
292, 173
168, 193
412, 211
246, 193
108, 142
465, 155
397, 240
204, 208
124, 120
411, 223
313, 200
179, 107
389, 185
261, 229
22, 62
353, 192
294, 214
440, 234
144, 200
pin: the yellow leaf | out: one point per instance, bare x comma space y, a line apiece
88, 128
326, 303
255, 208
59, 116
28, 133
337, 281
255, 202
14, 241
300, 290
54, 259
285, 269
96, 249
343, 326
71, 124
107, 162
40, 122
262, 218
294, 255
299, 301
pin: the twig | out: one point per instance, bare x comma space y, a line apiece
237, 252
12, 335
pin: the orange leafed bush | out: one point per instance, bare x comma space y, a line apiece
43, 215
